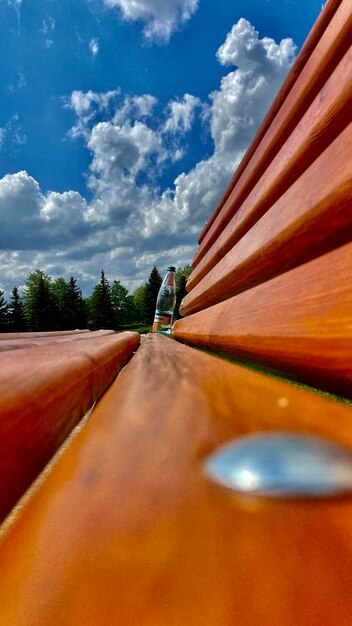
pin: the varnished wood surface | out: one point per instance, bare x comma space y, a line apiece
329, 114
332, 46
313, 217
315, 34
33, 341
299, 322
49, 333
44, 392
126, 530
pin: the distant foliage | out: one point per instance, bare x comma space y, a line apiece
16, 317
181, 278
3, 313
47, 304
151, 293
123, 304
100, 305
40, 308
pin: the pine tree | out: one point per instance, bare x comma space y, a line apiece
60, 291
16, 317
3, 313
77, 312
39, 305
100, 304
151, 293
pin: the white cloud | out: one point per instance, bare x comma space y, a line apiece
48, 25
161, 17
181, 114
16, 4
94, 46
12, 135
19, 83
123, 150
136, 108
234, 113
2, 136
130, 223
86, 106
243, 48
31, 219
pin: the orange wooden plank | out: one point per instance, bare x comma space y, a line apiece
312, 218
44, 392
315, 34
299, 322
332, 46
126, 530
49, 333
32, 342
324, 120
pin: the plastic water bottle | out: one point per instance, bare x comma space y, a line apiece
165, 303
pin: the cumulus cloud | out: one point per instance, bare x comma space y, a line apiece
161, 17
123, 150
130, 223
31, 219
234, 113
181, 114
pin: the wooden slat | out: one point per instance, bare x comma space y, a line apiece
299, 322
331, 48
313, 217
44, 392
32, 342
126, 530
49, 333
315, 34
324, 120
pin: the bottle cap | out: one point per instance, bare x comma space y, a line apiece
171, 268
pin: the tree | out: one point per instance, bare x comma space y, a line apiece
181, 278
100, 305
39, 305
122, 303
151, 293
3, 313
69, 303
60, 291
139, 304
16, 316
77, 311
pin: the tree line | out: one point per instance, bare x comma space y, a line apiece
47, 304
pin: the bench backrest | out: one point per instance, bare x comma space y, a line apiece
272, 278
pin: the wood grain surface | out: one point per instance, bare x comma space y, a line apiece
49, 333
329, 114
33, 341
313, 217
126, 530
315, 34
332, 46
44, 392
299, 323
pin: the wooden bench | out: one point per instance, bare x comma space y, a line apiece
122, 526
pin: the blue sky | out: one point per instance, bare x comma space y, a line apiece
121, 123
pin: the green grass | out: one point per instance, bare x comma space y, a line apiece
142, 330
